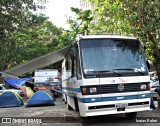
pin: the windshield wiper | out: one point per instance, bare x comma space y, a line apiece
106, 71
124, 69
103, 71
136, 70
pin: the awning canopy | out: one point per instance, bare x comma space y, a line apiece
39, 62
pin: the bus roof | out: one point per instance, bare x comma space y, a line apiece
106, 36
42, 70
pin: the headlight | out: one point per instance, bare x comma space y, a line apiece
93, 90
143, 86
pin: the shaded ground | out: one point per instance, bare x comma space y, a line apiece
58, 115
59, 110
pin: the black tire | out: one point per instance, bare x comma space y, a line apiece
66, 99
76, 104
85, 121
131, 115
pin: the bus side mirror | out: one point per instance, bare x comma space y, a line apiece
73, 53
148, 65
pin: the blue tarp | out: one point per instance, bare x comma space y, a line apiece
41, 98
10, 99
17, 82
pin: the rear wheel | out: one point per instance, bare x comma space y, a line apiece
131, 115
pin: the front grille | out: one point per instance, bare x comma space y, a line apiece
113, 88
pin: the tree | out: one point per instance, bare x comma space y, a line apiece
13, 17
36, 40
82, 23
140, 18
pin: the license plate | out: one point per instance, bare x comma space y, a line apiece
121, 105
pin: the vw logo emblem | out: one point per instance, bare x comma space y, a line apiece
120, 87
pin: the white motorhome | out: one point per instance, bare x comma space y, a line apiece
106, 74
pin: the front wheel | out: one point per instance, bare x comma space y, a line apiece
131, 115
65, 99
85, 121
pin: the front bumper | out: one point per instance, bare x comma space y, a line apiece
107, 108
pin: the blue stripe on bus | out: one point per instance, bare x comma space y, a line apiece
144, 95
72, 89
115, 98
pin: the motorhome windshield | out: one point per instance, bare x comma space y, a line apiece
112, 56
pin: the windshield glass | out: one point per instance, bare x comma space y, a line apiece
111, 55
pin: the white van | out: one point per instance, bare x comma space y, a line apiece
47, 76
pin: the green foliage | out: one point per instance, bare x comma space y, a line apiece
136, 18
29, 51
36, 40
61, 40
82, 23
12, 17
24, 35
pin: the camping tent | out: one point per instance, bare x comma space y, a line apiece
27, 91
49, 92
41, 98
10, 99
14, 82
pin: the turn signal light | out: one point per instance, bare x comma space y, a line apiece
84, 90
57, 77
149, 87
